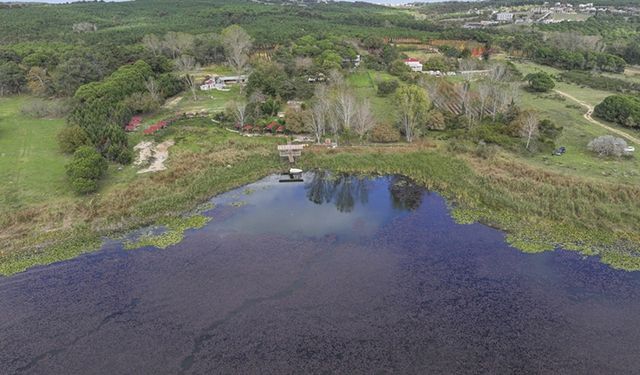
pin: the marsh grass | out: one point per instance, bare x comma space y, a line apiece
204, 162
539, 208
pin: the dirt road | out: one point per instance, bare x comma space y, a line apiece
588, 117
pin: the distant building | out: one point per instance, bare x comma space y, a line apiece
414, 64
504, 17
219, 83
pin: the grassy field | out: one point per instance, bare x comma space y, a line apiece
577, 131
205, 160
363, 83
586, 94
31, 167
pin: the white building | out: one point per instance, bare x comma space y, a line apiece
220, 83
414, 64
504, 17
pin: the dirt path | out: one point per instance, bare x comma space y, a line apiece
589, 118
152, 155
173, 102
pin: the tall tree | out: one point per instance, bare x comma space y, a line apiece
153, 88
412, 104
152, 43
177, 43
317, 116
186, 65
237, 45
528, 122
364, 121
238, 109
345, 108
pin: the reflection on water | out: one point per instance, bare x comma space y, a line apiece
341, 274
345, 190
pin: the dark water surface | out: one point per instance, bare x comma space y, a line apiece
348, 275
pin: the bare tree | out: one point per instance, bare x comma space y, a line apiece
237, 45
152, 43
345, 107
186, 64
608, 145
364, 121
466, 66
238, 109
484, 92
38, 80
529, 126
177, 43
317, 119
498, 72
336, 79
153, 88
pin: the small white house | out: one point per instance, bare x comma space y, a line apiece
504, 17
209, 84
414, 64
219, 83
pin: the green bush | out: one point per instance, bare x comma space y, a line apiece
540, 82
85, 169
387, 87
71, 138
622, 109
385, 133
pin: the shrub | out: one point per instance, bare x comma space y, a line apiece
399, 69
540, 82
85, 169
623, 109
385, 133
387, 87
40, 108
608, 145
599, 82
437, 121
295, 121
71, 138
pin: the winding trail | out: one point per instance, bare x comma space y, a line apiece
588, 117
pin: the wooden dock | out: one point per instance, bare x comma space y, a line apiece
290, 151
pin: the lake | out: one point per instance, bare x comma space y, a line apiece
339, 274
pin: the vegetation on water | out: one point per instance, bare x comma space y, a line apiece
172, 232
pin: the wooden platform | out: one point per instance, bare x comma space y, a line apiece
290, 151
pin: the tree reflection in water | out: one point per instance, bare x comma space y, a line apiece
405, 194
344, 190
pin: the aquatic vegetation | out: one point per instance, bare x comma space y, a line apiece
49, 248
173, 233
